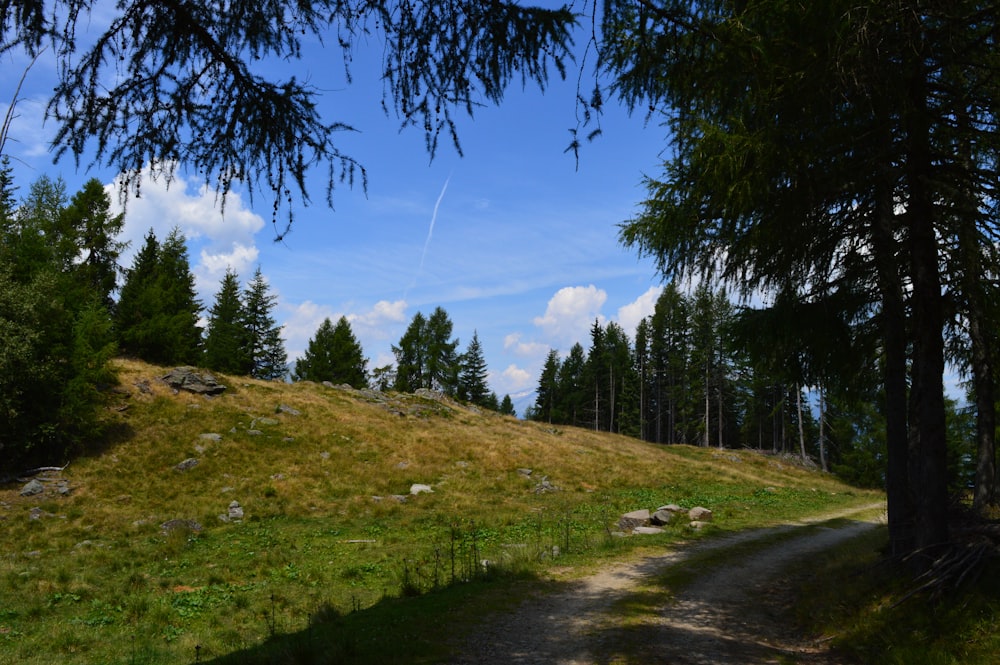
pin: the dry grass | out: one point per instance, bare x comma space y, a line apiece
95, 579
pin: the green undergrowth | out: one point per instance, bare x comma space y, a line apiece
865, 608
328, 565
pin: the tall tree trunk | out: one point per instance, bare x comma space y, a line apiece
928, 318
822, 431
889, 261
802, 431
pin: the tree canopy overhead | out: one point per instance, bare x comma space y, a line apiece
170, 82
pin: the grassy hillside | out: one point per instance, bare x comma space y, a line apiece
90, 575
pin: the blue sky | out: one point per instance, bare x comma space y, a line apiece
515, 240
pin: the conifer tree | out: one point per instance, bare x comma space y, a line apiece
157, 312
547, 395
411, 356
441, 357
335, 355
89, 217
472, 385
265, 348
507, 406
226, 341
54, 333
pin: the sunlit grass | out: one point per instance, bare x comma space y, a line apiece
325, 555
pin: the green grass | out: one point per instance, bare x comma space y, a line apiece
320, 565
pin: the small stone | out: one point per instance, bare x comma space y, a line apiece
32, 488
525, 472
418, 488
180, 524
700, 514
399, 498
636, 518
647, 530
284, 408
187, 464
270, 422
325, 455
235, 511
36, 513
210, 436
661, 517
254, 432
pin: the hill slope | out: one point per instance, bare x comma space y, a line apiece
323, 476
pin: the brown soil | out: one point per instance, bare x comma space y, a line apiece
731, 613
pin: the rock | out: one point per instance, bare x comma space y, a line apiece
399, 498
270, 422
210, 436
699, 514
284, 408
193, 381
418, 488
636, 518
254, 432
647, 530
36, 513
187, 464
235, 511
671, 507
525, 472
545, 486
661, 517
32, 488
697, 525
180, 525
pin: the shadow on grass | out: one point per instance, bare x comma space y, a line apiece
641, 620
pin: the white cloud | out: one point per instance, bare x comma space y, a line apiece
513, 380
631, 314
218, 239
371, 326
513, 343
571, 312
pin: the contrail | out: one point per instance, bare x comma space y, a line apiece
430, 234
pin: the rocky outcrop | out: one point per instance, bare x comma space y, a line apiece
193, 381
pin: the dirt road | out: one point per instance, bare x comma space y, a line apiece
729, 614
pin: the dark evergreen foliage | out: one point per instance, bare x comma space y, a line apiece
55, 331
226, 335
265, 348
335, 355
157, 313
472, 380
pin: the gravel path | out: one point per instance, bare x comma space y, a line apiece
730, 614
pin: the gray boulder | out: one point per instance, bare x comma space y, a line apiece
417, 488
700, 514
32, 488
661, 517
636, 518
235, 511
186, 465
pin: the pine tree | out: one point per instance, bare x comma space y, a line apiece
95, 229
472, 385
265, 348
411, 356
548, 392
507, 406
333, 354
157, 313
226, 334
441, 357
